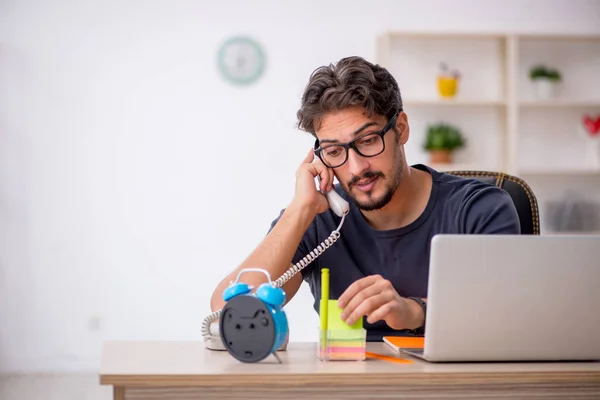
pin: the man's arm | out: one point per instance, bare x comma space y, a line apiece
375, 297
486, 211
274, 254
276, 251
489, 210
417, 313
483, 209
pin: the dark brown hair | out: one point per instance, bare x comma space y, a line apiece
352, 81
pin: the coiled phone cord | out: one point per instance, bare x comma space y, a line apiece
310, 257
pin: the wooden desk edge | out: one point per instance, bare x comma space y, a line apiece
325, 379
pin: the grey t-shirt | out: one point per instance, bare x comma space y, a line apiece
456, 205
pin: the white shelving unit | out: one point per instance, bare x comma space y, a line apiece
559, 103
506, 127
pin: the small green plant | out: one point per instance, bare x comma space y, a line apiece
543, 72
443, 137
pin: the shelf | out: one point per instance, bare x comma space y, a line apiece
560, 38
489, 35
560, 103
455, 102
496, 106
443, 35
463, 167
570, 233
556, 171
576, 57
414, 60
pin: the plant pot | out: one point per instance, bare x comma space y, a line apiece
544, 88
447, 87
440, 156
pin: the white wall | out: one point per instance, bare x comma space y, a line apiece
133, 178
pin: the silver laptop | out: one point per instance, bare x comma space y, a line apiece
513, 298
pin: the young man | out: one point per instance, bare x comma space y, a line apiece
379, 265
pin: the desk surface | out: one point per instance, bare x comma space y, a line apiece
147, 364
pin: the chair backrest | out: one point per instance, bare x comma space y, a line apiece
520, 192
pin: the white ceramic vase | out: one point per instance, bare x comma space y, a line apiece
544, 88
592, 155
591, 148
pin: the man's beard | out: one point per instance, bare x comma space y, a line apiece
390, 188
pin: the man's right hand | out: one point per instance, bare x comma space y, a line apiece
307, 194
277, 249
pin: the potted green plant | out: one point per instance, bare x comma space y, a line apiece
545, 80
441, 140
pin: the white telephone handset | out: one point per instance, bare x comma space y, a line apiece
337, 204
341, 208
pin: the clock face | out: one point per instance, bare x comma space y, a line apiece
241, 60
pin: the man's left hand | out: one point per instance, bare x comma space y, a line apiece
376, 298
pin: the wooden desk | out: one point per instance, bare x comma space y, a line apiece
186, 370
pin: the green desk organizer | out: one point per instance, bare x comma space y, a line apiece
340, 341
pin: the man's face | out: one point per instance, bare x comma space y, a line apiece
369, 181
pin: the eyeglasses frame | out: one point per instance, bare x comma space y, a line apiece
351, 145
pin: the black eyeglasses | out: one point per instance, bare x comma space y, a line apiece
369, 145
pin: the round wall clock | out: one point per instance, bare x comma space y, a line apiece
241, 60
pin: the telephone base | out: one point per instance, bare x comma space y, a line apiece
214, 343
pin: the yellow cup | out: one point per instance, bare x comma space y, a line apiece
447, 86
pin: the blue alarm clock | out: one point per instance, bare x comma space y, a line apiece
253, 325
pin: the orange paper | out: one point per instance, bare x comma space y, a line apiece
404, 342
388, 358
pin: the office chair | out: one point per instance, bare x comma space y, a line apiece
520, 192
